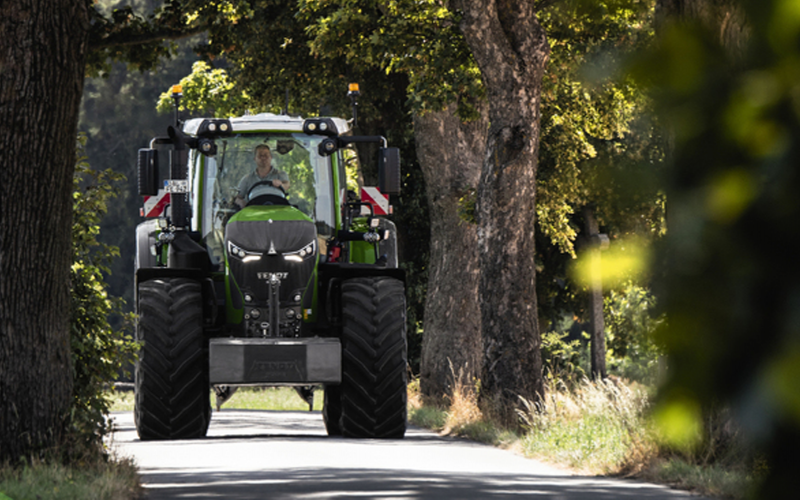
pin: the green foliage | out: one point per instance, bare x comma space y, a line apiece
209, 91
564, 359
598, 143
267, 54
420, 39
630, 328
98, 351
733, 284
466, 206
428, 417
136, 33
715, 480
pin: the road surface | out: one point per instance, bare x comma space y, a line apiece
287, 455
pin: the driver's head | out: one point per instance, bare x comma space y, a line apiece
263, 156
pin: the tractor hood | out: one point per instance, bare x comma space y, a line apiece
266, 242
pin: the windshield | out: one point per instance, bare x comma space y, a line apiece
295, 162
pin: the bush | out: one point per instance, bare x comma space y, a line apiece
563, 359
629, 327
98, 351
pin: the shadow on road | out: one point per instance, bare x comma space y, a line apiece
395, 484
247, 424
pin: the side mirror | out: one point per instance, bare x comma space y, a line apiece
389, 170
148, 172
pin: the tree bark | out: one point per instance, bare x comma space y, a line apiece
451, 156
597, 325
511, 49
42, 60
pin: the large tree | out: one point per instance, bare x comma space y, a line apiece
511, 50
44, 52
42, 56
451, 154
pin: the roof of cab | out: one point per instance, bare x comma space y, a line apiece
264, 122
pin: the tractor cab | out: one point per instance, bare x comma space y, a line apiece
314, 182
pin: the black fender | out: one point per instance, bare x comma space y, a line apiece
211, 307
331, 276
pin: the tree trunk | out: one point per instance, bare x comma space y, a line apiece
450, 154
597, 325
42, 56
511, 50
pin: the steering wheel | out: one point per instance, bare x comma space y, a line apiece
277, 197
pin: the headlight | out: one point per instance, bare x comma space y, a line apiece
299, 255
242, 254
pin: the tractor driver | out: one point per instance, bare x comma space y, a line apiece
263, 172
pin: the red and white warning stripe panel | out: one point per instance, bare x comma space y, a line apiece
378, 200
154, 206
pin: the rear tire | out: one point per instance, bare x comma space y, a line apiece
172, 388
374, 358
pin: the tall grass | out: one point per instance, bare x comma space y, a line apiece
102, 480
458, 414
594, 427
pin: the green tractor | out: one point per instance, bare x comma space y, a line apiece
283, 279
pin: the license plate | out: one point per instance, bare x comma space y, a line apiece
267, 276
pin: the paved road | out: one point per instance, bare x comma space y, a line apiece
287, 455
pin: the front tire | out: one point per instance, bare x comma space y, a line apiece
172, 388
374, 358
332, 410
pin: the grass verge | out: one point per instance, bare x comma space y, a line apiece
600, 428
594, 427
458, 416
246, 398
270, 398
712, 480
105, 480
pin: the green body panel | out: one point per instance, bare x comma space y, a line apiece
336, 164
201, 175
362, 252
274, 212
